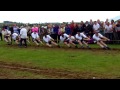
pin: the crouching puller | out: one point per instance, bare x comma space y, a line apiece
99, 38
7, 36
72, 41
64, 39
15, 37
81, 39
49, 40
36, 38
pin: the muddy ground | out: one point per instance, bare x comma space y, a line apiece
53, 73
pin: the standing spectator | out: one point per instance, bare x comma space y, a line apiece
91, 22
19, 29
102, 28
49, 29
60, 30
1, 34
106, 21
88, 29
75, 29
5, 27
96, 27
109, 31
83, 26
34, 29
15, 29
52, 31
55, 30
91, 30
45, 29
39, 28
67, 29
72, 26
118, 29
115, 35
79, 28
28, 31
23, 36
99, 22
41, 32
11, 29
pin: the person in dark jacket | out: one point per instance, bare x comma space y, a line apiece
80, 28
55, 30
75, 29
1, 34
11, 30
83, 26
88, 29
117, 28
68, 29
72, 26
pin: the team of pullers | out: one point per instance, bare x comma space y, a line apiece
79, 39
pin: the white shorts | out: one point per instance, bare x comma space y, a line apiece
96, 38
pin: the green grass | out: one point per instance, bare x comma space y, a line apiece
103, 62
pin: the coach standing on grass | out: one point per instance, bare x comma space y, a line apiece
23, 36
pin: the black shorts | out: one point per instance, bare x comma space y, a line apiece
66, 41
17, 38
75, 42
35, 40
6, 36
49, 42
28, 34
82, 40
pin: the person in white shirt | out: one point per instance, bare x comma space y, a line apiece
72, 41
15, 37
99, 38
63, 39
108, 28
82, 38
36, 38
7, 36
23, 36
49, 40
96, 27
109, 31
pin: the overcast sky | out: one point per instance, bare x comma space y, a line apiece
55, 16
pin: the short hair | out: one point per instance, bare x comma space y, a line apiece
112, 20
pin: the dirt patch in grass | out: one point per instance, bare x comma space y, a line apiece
53, 73
62, 48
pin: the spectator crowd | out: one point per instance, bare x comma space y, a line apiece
52, 33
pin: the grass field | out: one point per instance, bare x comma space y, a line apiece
59, 63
